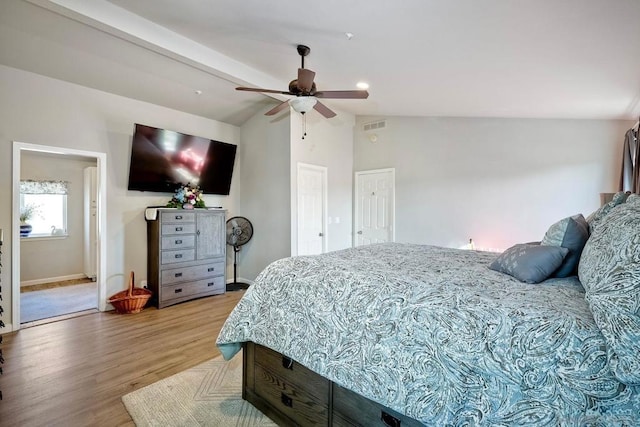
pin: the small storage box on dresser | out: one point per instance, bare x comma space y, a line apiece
186, 256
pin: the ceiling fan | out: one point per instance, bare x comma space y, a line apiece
305, 92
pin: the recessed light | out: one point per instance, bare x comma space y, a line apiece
349, 35
362, 85
198, 92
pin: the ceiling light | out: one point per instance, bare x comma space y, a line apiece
302, 104
349, 35
198, 92
362, 85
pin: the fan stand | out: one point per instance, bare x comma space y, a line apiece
235, 285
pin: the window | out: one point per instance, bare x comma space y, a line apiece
43, 205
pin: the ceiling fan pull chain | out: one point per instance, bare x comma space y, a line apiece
304, 125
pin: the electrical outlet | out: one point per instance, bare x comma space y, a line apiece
143, 284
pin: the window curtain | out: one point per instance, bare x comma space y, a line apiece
630, 172
44, 187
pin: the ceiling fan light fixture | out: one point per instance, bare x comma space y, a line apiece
303, 104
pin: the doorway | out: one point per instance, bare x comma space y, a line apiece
375, 207
312, 209
57, 289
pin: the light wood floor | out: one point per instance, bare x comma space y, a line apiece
74, 372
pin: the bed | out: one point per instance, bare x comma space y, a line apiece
435, 336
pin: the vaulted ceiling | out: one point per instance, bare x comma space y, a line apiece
458, 58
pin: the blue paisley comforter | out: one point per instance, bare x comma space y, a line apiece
436, 335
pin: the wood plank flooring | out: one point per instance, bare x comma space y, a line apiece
74, 372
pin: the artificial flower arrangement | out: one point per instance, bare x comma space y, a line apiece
187, 197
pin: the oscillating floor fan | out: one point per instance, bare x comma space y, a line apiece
239, 232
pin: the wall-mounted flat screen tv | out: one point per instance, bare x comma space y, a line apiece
162, 159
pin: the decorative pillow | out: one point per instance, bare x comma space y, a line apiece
571, 233
610, 273
596, 217
530, 263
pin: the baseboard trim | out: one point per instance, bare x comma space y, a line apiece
241, 280
52, 279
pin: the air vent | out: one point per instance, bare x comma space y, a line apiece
374, 126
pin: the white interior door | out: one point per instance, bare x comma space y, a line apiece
90, 238
375, 207
312, 205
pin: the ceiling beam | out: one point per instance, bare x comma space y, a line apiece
114, 20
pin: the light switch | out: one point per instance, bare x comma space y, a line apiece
337, 220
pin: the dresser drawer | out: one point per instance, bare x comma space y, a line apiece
178, 216
351, 409
293, 372
294, 401
178, 242
168, 229
182, 255
195, 272
214, 285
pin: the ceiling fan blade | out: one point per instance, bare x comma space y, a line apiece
305, 79
277, 108
253, 89
324, 110
342, 94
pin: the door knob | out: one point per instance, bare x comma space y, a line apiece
360, 232
320, 234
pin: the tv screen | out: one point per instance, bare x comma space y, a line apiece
162, 159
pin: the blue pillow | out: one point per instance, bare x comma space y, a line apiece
530, 263
571, 233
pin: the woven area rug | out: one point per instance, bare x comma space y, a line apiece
209, 394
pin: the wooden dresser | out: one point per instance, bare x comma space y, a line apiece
292, 395
186, 254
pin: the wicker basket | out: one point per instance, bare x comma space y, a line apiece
131, 300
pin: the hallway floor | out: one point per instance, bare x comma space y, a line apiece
57, 301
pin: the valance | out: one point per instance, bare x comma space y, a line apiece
43, 187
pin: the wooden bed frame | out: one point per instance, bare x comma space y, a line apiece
292, 395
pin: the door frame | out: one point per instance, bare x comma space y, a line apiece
325, 197
101, 222
392, 220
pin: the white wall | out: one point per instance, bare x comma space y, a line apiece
498, 181
58, 257
40, 110
265, 157
270, 151
329, 143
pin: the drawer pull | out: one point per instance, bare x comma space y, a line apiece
211, 283
178, 242
178, 228
178, 255
389, 420
177, 291
178, 216
178, 275
211, 269
287, 362
286, 400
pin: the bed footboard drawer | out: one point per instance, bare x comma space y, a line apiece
295, 401
293, 372
351, 409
